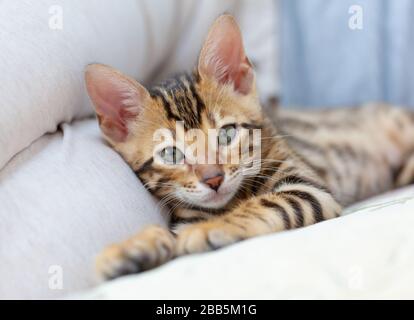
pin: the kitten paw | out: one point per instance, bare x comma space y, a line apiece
205, 237
148, 249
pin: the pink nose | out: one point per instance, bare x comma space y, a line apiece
210, 175
215, 182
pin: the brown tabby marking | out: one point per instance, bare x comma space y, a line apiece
311, 163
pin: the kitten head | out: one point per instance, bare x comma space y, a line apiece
155, 131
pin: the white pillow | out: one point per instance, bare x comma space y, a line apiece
63, 200
42, 61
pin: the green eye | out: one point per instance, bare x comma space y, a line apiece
171, 155
227, 134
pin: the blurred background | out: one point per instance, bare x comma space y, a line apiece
327, 62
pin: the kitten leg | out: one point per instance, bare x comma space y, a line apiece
291, 206
406, 175
146, 250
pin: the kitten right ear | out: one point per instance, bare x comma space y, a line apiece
223, 57
117, 99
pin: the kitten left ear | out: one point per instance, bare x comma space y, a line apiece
118, 100
223, 57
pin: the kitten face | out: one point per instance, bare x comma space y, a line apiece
218, 111
156, 131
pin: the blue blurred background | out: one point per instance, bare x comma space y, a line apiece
326, 63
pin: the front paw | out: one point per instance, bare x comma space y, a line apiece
207, 236
150, 248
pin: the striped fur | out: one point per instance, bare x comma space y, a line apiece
359, 152
318, 161
312, 164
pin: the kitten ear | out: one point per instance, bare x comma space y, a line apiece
223, 58
117, 99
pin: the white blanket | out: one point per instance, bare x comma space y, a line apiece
368, 254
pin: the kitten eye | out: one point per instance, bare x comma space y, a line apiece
227, 134
171, 155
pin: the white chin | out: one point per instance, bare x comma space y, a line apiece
215, 200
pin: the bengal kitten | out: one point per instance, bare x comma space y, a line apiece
311, 163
